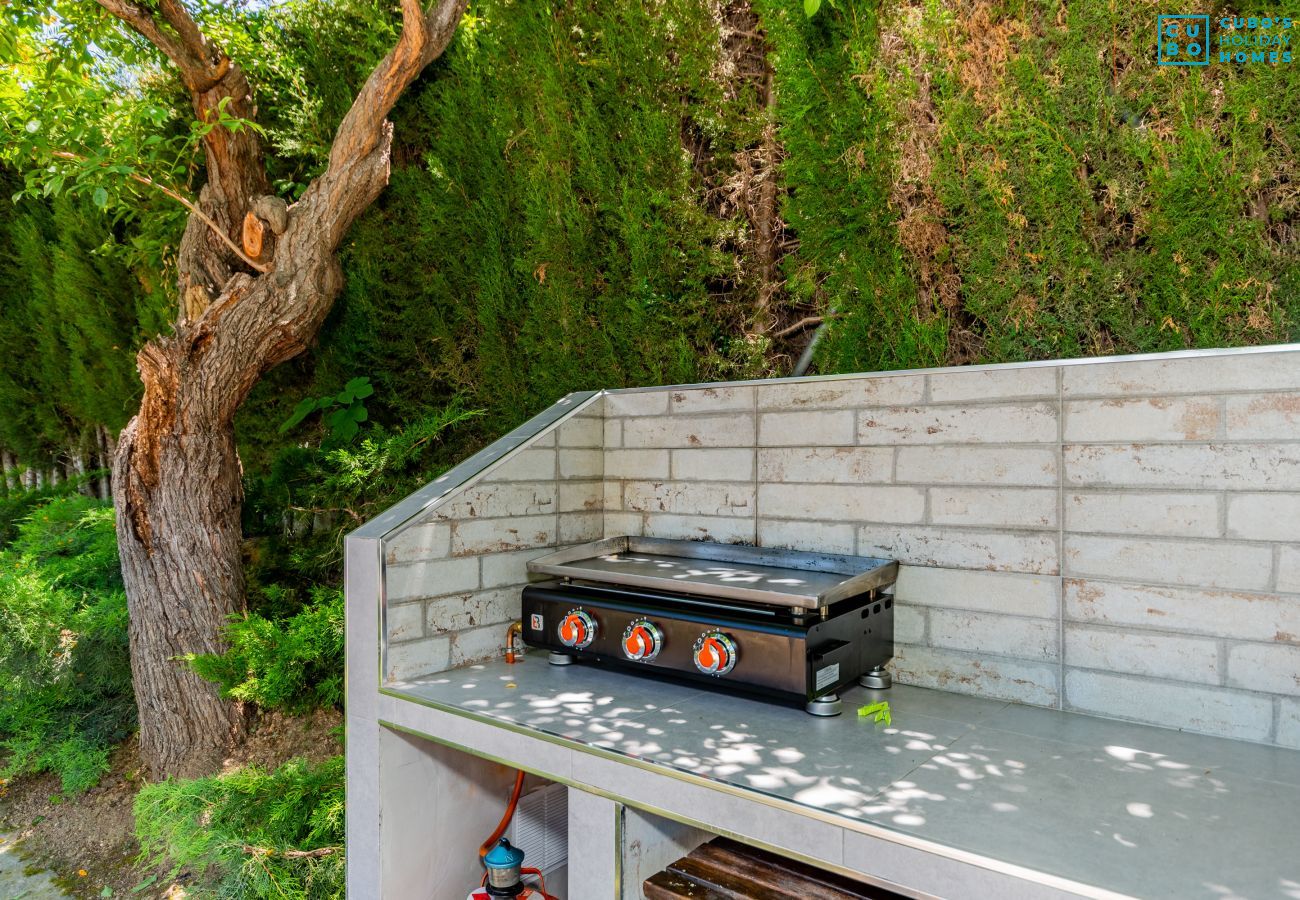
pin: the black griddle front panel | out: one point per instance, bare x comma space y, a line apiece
779, 657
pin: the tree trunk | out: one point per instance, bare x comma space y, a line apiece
13, 480
107, 455
176, 473
179, 537
79, 468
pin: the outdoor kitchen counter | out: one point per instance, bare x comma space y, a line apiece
958, 797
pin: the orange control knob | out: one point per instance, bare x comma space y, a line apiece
715, 653
642, 640
577, 630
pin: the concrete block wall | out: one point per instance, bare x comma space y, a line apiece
1113, 537
1117, 537
452, 576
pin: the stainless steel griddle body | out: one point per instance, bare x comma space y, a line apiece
794, 626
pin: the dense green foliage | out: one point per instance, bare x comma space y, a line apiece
968, 182
70, 313
252, 831
540, 234
65, 676
1050, 191
295, 663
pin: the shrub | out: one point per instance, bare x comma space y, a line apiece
17, 505
74, 543
319, 494
255, 834
65, 673
292, 664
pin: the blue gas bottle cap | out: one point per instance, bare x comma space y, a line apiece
504, 856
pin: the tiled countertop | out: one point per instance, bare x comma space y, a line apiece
1126, 808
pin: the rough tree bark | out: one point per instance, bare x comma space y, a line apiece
176, 472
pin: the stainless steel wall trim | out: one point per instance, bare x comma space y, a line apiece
869, 829
618, 848
987, 367
392, 520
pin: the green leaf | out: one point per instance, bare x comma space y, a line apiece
304, 409
349, 430
878, 711
100, 197
148, 882
359, 388
106, 892
810, 7
357, 412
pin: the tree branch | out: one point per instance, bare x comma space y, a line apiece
183, 201
236, 171
290, 854
424, 36
200, 64
803, 323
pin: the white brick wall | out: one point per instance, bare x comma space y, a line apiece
1119, 538
1143, 653
785, 429
998, 384
843, 502
982, 591
977, 465
975, 632
1175, 704
981, 674
847, 393
1148, 419
826, 465
452, 578
1144, 513
1002, 507
1069, 532
1022, 424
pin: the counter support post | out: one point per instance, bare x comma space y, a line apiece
594, 851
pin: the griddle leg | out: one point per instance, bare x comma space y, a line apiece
877, 679
559, 659
825, 705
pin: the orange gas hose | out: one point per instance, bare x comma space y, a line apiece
540, 881
505, 820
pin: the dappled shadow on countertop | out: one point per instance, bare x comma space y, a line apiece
1129, 808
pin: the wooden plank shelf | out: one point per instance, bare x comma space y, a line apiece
726, 870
